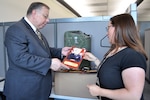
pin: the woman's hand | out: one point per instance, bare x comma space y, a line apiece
90, 57
94, 90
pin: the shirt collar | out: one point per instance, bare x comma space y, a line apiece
32, 26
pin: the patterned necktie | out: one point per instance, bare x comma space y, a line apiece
40, 36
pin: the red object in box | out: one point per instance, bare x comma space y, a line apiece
74, 58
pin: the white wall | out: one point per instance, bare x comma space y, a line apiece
13, 10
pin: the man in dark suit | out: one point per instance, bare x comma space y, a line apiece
30, 57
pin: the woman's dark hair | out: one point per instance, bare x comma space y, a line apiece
36, 5
126, 33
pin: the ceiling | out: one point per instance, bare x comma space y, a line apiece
89, 8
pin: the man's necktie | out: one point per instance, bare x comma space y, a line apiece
40, 36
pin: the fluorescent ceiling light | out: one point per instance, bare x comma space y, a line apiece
122, 6
79, 7
113, 7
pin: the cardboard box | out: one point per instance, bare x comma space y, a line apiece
74, 84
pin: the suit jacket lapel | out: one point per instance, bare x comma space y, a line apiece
36, 37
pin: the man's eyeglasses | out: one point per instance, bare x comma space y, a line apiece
45, 16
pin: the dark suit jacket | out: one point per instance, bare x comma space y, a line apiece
28, 76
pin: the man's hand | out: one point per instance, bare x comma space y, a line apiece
65, 50
57, 65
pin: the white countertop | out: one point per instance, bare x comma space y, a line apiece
1, 86
53, 95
